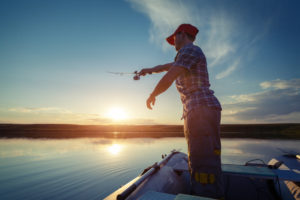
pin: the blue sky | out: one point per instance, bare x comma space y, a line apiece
54, 58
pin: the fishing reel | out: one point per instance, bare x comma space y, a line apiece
136, 76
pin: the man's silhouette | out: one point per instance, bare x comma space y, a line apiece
201, 110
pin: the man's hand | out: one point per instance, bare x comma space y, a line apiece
145, 71
165, 83
150, 100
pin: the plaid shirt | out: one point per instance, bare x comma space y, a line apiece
193, 85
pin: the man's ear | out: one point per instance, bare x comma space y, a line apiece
184, 36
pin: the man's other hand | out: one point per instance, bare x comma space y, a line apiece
150, 100
145, 71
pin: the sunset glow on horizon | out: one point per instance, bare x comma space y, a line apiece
117, 114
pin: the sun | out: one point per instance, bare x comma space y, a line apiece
117, 114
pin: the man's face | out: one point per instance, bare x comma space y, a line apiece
178, 40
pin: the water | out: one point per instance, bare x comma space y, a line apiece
92, 168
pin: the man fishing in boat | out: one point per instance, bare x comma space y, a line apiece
201, 110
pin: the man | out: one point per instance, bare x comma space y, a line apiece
201, 110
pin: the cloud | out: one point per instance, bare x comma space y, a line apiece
164, 19
218, 42
281, 84
49, 115
61, 116
228, 71
142, 121
166, 15
39, 110
223, 35
278, 104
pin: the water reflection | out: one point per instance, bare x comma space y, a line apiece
115, 149
92, 168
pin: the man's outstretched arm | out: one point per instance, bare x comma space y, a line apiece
156, 69
165, 83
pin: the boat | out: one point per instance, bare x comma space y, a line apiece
169, 179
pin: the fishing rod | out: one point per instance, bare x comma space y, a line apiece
136, 74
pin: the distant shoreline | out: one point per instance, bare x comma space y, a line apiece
61, 131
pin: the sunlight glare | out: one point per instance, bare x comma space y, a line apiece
115, 149
117, 114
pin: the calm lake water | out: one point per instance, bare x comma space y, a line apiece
92, 168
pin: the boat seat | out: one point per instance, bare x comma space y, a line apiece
152, 195
251, 171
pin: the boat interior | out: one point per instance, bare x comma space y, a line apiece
252, 181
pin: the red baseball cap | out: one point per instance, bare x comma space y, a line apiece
187, 28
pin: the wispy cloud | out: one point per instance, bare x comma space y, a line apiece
228, 71
281, 84
222, 35
217, 41
61, 116
278, 104
165, 17
49, 115
38, 110
215, 29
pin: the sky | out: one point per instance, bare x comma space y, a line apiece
55, 56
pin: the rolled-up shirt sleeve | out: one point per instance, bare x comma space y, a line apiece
186, 58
